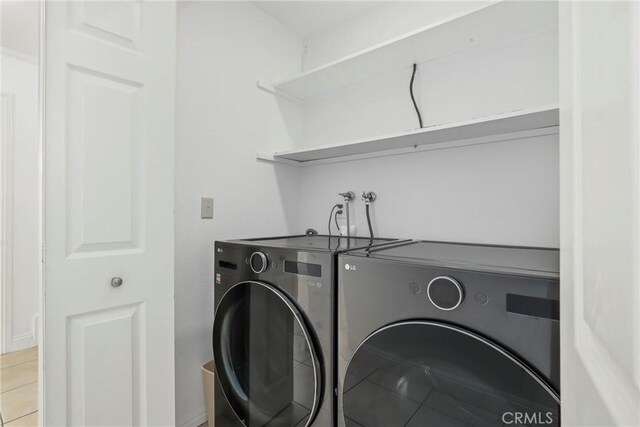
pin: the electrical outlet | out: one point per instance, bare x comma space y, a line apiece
206, 208
343, 230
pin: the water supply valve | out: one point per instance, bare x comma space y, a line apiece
369, 196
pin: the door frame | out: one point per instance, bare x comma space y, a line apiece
9, 342
41, 214
6, 210
6, 219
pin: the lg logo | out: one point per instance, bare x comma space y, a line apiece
530, 419
350, 267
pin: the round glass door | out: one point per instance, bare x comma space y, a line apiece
420, 374
265, 359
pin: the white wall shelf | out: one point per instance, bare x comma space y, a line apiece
499, 127
497, 22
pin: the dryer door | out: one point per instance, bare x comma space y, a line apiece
423, 373
265, 357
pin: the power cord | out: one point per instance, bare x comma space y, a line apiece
335, 217
415, 105
338, 206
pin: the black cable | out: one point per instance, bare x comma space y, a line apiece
415, 105
330, 218
335, 216
339, 206
369, 222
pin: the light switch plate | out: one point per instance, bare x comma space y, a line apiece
206, 208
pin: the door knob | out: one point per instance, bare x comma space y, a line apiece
116, 282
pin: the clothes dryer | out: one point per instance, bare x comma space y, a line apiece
446, 334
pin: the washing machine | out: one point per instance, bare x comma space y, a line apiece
447, 334
274, 330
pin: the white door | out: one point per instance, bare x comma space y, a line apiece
109, 113
600, 215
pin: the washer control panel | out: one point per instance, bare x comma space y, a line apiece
445, 293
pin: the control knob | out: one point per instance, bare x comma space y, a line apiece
445, 292
259, 262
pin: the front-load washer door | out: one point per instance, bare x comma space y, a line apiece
424, 373
266, 359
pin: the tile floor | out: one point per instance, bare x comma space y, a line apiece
19, 388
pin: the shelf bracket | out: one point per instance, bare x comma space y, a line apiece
273, 91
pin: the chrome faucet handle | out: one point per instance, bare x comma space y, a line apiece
349, 196
369, 196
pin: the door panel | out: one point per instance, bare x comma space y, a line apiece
424, 373
115, 22
267, 360
600, 215
103, 162
98, 371
109, 111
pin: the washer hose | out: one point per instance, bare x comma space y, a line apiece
369, 221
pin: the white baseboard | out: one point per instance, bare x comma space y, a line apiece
34, 327
22, 341
195, 422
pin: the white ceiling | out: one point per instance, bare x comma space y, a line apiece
19, 19
19, 25
309, 17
